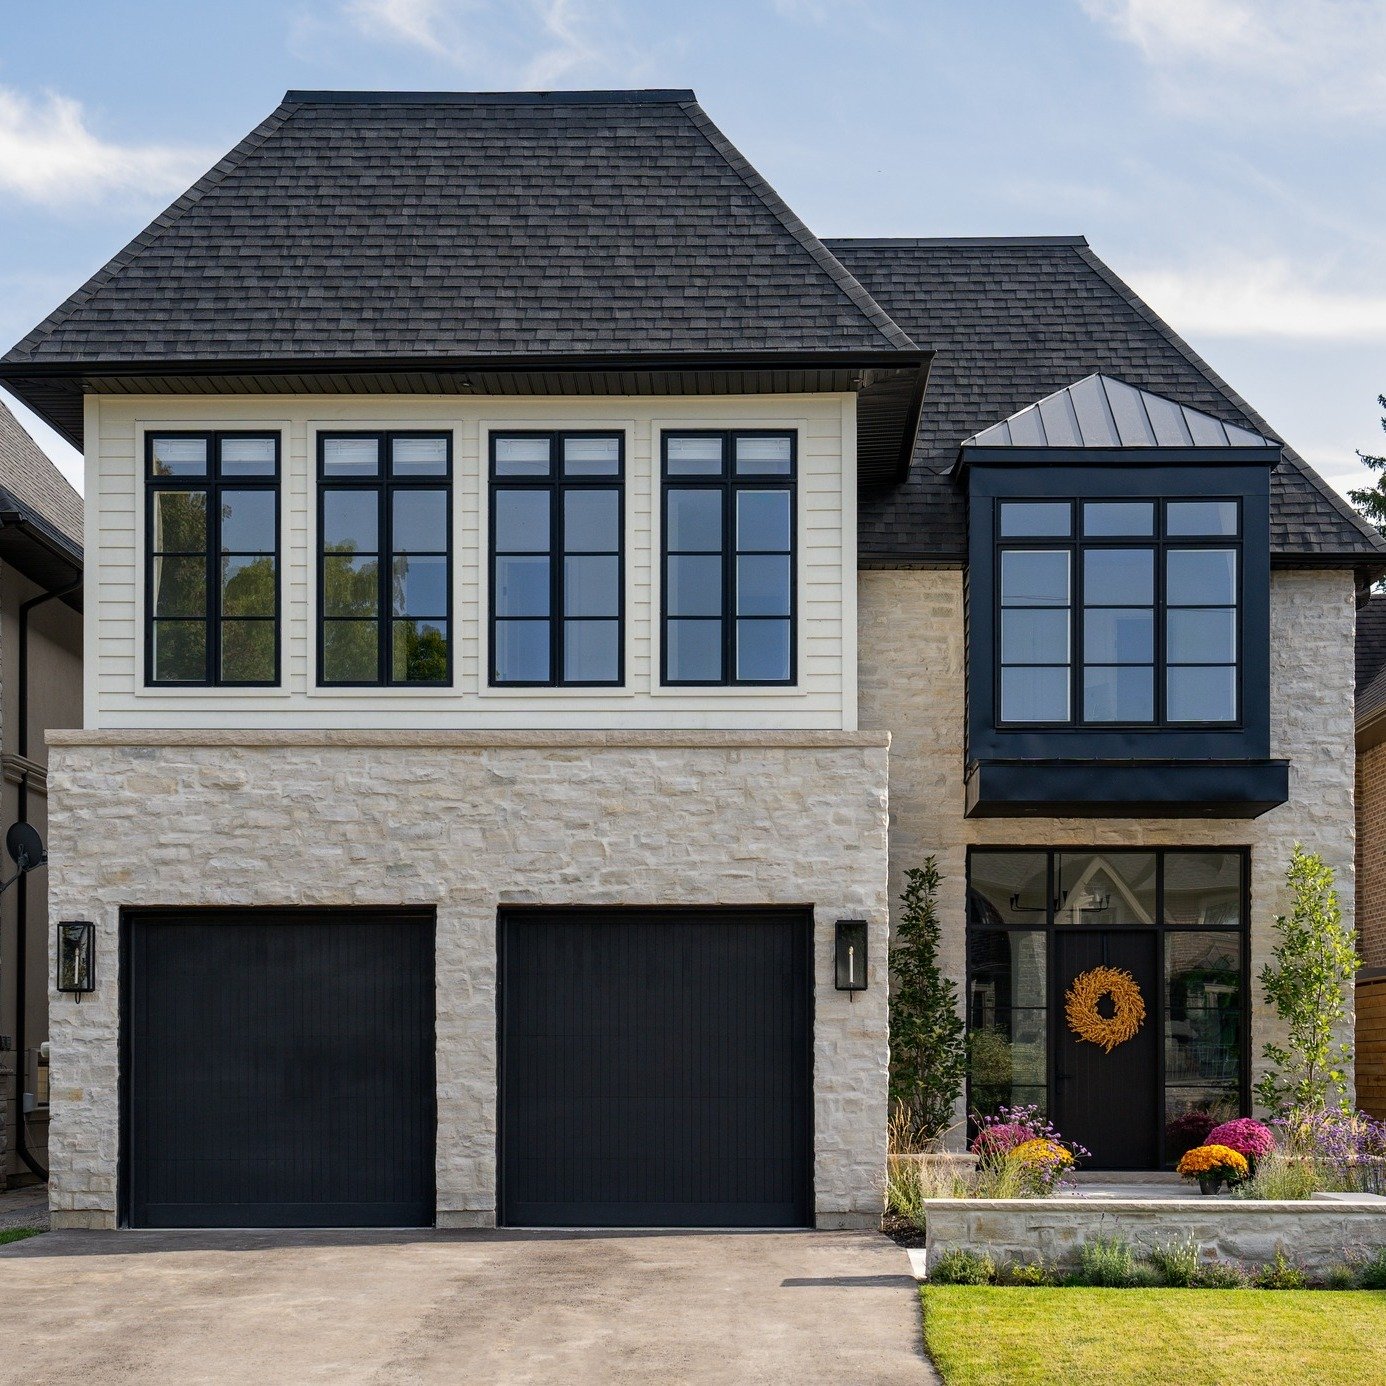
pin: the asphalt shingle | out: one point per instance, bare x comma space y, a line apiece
30, 477
1012, 321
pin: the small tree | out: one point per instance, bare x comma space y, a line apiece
1306, 982
928, 1052
1371, 500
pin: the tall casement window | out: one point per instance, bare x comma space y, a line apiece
1118, 612
557, 559
384, 559
212, 559
729, 557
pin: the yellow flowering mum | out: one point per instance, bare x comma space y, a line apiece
1041, 1152
1207, 1159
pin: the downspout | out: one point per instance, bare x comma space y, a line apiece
21, 952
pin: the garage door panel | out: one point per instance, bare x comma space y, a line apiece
280, 1070
655, 1068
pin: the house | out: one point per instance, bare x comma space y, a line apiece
1371, 856
40, 687
548, 598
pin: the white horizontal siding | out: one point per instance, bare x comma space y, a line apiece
824, 698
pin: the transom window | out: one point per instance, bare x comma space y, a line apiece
1118, 611
729, 591
557, 559
212, 558
384, 559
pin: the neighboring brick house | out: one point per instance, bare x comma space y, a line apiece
1371, 856
40, 687
520, 544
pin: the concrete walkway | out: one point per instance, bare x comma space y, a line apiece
271, 1307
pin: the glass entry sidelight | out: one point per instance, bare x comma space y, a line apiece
1174, 920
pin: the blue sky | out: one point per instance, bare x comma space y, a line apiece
1224, 156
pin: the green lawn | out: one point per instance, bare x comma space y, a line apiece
991, 1336
18, 1234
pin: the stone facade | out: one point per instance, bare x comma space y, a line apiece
467, 822
911, 666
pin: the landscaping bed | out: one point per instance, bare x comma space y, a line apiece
988, 1336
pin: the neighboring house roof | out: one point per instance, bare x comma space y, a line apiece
1371, 658
417, 225
1010, 322
40, 512
1101, 412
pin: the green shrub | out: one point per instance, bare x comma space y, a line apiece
1029, 1273
1281, 1274
904, 1190
1107, 1261
1340, 1277
1176, 1263
1282, 1176
958, 1266
1372, 1273
1219, 1275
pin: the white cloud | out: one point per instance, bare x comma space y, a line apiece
531, 44
49, 155
1266, 298
1291, 57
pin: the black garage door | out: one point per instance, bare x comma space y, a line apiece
655, 1068
278, 1069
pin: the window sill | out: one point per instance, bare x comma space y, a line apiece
1126, 788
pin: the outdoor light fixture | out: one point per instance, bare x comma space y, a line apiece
77, 957
851, 955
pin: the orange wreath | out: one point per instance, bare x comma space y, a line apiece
1088, 1023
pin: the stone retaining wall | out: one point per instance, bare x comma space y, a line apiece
1315, 1233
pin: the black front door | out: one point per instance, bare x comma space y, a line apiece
1108, 1102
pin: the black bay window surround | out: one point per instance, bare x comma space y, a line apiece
1119, 633
728, 557
384, 559
557, 559
212, 559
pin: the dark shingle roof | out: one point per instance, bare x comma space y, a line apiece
1371, 657
416, 225
29, 477
1010, 322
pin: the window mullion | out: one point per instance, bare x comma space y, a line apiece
212, 660
384, 563
730, 491
557, 548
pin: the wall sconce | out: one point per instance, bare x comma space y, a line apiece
851, 955
77, 957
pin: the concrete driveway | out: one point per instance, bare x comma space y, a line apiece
271, 1307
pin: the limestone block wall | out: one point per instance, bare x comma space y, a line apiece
467, 822
911, 663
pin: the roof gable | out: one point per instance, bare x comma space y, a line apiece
1100, 411
418, 225
28, 476
1014, 320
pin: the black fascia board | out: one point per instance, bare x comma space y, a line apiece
1126, 789
1249, 739
969, 457
499, 362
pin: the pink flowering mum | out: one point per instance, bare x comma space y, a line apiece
1245, 1136
1000, 1139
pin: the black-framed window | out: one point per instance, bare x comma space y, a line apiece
557, 523
1118, 612
1195, 902
212, 559
728, 555
384, 559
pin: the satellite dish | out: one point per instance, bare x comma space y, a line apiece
25, 846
